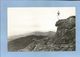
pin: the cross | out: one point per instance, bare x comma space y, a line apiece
58, 13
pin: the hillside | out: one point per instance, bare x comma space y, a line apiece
20, 42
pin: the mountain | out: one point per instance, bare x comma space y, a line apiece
61, 40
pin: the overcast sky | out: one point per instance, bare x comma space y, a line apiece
29, 19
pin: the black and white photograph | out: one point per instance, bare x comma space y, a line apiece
41, 29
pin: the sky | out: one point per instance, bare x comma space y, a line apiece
23, 20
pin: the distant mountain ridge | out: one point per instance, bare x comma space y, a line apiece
37, 33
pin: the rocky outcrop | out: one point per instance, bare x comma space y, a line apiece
66, 33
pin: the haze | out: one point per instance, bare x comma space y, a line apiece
29, 19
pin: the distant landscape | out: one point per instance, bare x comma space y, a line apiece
23, 41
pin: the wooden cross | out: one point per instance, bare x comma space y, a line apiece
58, 13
